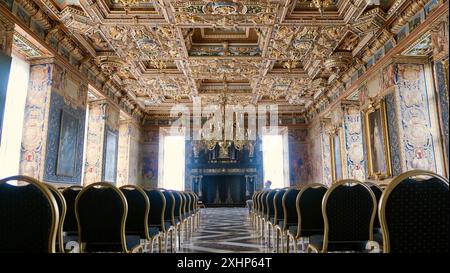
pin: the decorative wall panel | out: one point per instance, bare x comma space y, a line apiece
35, 121
57, 106
353, 140
418, 143
394, 139
300, 164
150, 151
94, 149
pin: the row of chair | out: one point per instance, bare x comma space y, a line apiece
410, 215
37, 217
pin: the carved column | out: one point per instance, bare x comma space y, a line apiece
128, 153
102, 142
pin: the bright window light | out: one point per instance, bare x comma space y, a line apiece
13, 117
173, 163
274, 157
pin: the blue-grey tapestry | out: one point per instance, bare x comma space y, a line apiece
67, 145
110, 157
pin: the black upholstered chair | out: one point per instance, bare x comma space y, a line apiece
29, 215
414, 214
348, 209
101, 212
70, 227
290, 220
169, 219
377, 234
263, 213
192, 211
278, 217
177, 214
184, 213
188, 227
270, 214
196, 209
255, 210
137, 216
156, 228
62, 208
309, 213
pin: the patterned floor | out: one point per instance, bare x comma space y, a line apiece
224, 230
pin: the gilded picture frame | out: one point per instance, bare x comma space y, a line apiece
337, 155
377, 142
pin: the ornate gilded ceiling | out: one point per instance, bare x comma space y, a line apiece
158, 52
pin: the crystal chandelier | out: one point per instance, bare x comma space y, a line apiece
224, 144
320, 4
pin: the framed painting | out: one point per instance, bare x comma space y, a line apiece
337, 168
377, 141
67, 150
110, 156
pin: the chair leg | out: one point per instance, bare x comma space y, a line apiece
277, 241
282, 241
295, 245
179, 237
288, 241
151, 245
160, 243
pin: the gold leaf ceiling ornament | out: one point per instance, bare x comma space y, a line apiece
128, 4
224, 13
224, 68
321, 5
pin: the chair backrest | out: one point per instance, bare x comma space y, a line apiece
193, 202
178, 205
263, 203
29, 216
138, 210
269, 201
278, 206
62, 208
414, 214
309, 209
255, 201
184, 204
158, 208
290, 208
377, 191
70, 221
188, 203
101, 212
196, 198
169, 212
348, 209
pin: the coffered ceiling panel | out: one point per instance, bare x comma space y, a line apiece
290, 52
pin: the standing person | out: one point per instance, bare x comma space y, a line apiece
267, 185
